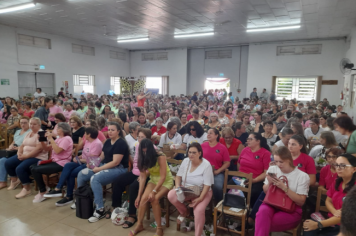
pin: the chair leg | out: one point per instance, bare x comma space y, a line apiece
167, 212
215, 220
148, 212
243, 224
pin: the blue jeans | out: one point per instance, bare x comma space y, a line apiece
20, 169
69, 173
3, 172
97, 180
218, 187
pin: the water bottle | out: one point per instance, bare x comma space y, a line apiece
180, 195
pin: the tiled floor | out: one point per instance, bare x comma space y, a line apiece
24, 218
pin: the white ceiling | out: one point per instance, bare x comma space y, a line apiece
160, 19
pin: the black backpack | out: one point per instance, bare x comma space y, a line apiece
84, 202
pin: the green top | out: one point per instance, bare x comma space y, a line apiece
155, 176
351, 146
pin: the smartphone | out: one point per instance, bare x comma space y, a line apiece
42, 137
272, 175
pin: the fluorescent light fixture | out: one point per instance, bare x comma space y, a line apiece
132, 40
274, 28
193, 35
17, 8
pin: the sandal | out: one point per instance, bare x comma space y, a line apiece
129, 223
160, 229
181, 219
133, 232
108, 214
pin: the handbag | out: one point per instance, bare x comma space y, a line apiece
190, 192
7, 153
84, 202
277, 198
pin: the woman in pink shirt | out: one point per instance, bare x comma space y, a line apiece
328, 173
54, 110
130, 178
61, 150
69, 110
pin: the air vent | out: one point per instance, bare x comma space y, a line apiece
299, 50
118, 55
155, 56
81, 49
218, 54
34, 41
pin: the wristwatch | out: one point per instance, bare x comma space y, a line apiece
154, 190
320, 226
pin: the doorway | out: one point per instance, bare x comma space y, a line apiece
29, 81
217, 83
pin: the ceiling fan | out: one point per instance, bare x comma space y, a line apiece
346, 66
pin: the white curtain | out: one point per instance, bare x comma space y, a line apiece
165, 83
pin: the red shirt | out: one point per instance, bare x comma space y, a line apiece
215, 155
337, 197
28, 114
233, 147
141, 102
189, 117
305, 163
159, 132
327, 178
254, 162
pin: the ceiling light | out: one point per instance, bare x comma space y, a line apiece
17, 8
132, 40
193, 35
274, 28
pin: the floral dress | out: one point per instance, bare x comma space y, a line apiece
12, 120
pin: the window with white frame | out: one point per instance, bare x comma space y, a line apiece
301, 88
34, 41
115, 84
83, 84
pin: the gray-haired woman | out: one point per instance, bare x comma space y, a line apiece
61, 150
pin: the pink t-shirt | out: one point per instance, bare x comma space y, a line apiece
66, 143
327, 178
54, 131
67, 114
92, 149
101, 137
105, 129
216, 155
305, 163
30, 143
254, 162
53, 110
135, 169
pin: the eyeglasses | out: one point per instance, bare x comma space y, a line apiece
140, 137
23, 123
331, 156
229, 137
250, 139
192, 129
341, 166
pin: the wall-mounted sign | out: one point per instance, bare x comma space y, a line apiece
42, 67
221, 74
329, 82
5, 82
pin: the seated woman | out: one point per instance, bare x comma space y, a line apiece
28, 111
68, 110
218, 156
270, 219
58, 117
29, 153
14, 146
213, 122
92, 148
328, 173
131, 179
345, 167
13, 121
61, 150
171, 137
6, 114
286, 134
197, 171
233, 145
268, 135
195, 134
115, 161
158, 130
131, 138
223, 119
161, 181
77, 129
255, 159
318, 152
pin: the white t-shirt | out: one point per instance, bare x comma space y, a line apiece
271, 141
279, 143
42, 94
177, 139
298, 181
202, 175
339, 137
188, 139
132, 144
326, 128
308, 133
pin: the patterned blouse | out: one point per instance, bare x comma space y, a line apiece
12, 120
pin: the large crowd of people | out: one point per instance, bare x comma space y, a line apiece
121, 139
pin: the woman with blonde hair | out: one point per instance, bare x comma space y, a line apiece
213, 122
233, 145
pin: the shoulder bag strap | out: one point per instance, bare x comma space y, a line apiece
185, 179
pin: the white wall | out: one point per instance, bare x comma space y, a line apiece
199, 69
351, 54
263, 64
59, 60
175, 67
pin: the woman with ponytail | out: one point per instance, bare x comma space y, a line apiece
346, 168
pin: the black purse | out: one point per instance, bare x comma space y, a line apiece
232, 200
7, 154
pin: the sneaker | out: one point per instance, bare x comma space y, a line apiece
98, 215
14, 185
73, 206
39, 198
53, 193
63, 202
23, 193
